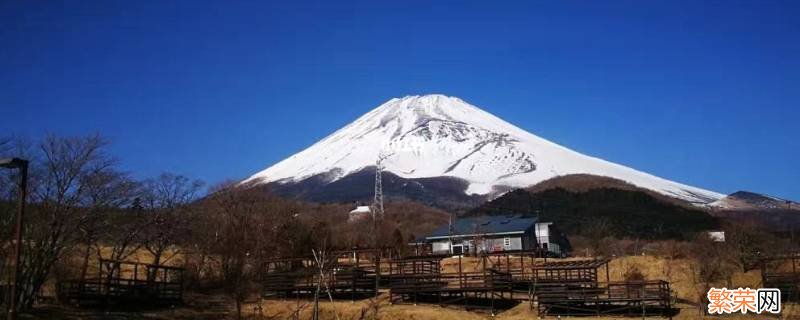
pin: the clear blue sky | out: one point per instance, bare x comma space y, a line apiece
702, 92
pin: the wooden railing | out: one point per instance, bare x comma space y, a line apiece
604, 298
120, 290
304, 281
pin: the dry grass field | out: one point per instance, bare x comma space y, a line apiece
676, 271
347, 310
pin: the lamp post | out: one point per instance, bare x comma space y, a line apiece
22, 166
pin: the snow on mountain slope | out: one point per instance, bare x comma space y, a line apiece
437, 135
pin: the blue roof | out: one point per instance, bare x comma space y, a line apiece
486, 225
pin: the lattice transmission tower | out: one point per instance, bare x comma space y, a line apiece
377, 203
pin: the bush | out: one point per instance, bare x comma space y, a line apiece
633, 273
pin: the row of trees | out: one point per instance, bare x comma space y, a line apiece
83, 208
82, 205
744, 244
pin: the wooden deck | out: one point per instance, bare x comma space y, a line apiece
349, 283
352, 274
125, 283
555, 287
782, 272
631, 298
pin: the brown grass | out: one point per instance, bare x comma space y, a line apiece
676, 271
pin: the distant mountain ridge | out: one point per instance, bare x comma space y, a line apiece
778, 214
437, 144
745, 200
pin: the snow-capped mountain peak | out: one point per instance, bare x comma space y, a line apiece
440, 136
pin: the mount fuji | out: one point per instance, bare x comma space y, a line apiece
441, 144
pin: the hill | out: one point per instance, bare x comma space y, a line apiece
777, 214
581, 204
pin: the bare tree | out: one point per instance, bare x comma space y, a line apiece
58, 187
596, 230
746, 241
251, 227
107, 192
325, 264
120, 238
708, 266
236, 239
166, 202
398, 242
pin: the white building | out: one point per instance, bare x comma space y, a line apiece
359, 213
497, 233
717, 236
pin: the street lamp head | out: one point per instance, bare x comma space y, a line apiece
13, 163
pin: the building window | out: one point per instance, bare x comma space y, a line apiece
506, 242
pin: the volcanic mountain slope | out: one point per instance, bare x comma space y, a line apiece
747, 207
428, 138
745, 200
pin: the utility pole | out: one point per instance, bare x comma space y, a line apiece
22, 165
